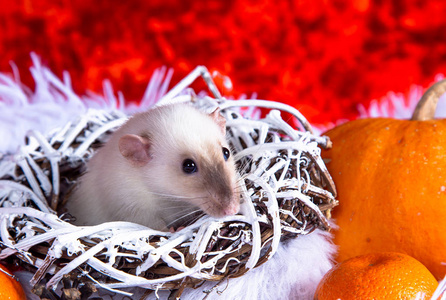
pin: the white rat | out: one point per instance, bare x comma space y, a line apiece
158, 169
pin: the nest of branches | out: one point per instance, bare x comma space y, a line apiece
287, 191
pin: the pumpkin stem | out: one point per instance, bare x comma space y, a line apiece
427, 105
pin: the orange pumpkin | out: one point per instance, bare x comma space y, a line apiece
391, 181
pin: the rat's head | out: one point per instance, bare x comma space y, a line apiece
184, 153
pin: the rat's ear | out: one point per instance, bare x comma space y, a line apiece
219, 119
135, 148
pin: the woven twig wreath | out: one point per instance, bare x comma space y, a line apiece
287, 190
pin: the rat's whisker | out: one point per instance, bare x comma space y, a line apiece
240, 180
210, 194
238, 190
172, 196
167, 207
181, 215
185, 216
193, 220
244, 163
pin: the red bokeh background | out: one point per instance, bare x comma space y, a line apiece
323, 57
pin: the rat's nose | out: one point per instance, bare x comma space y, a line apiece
232, 208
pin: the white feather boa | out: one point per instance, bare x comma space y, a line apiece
54, 103
298, 265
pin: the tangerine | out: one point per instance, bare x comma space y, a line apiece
383, 275
10, 288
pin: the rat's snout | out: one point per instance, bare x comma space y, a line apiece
232, 208
219, 179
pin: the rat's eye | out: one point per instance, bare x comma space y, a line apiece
189, 166
226, 153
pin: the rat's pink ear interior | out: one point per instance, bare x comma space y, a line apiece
135, 148
219, 119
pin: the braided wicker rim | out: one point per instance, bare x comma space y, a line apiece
287, 192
